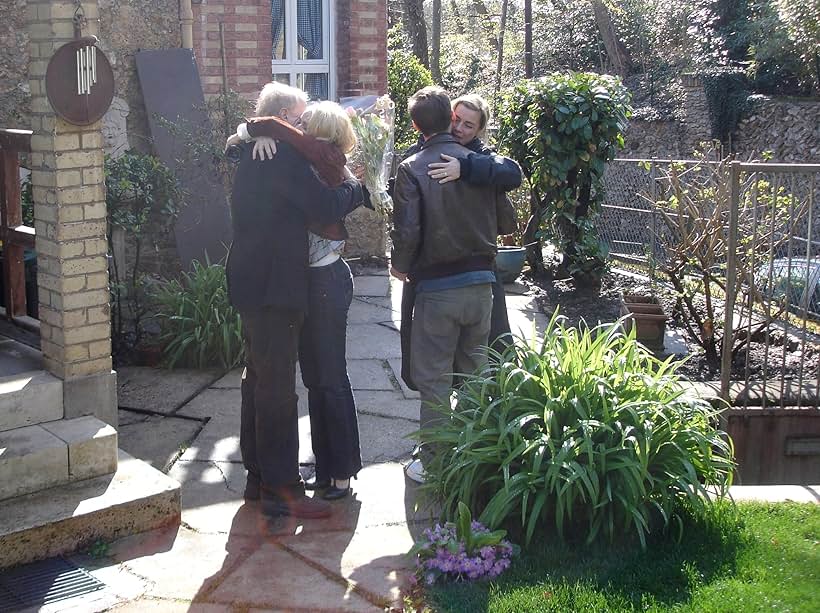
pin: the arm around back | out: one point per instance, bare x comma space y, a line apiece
497, 170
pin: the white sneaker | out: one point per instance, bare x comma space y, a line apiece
415, 471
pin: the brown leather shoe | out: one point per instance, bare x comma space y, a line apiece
295, 504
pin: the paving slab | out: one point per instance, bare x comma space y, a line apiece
395, 366
526, 302
160, 390
158, 440
371, 285
126, 417
527, 323
387, 404
160, 605
273, 578
233, 379
362, 312
212, 402
180, 564
375, 560
384, 439
212, 499
369, 375
372, 341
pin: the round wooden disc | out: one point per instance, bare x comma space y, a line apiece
61, 86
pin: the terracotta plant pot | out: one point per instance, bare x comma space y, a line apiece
647, 316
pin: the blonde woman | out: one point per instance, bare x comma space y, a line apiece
322, 343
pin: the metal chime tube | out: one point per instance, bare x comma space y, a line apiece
93, 65
79, 76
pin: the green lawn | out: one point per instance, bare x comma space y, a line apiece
758, 557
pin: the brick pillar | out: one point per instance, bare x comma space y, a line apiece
70, 223
361, 47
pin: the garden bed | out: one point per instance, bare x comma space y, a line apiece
601, 304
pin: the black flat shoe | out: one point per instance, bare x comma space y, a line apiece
317, 484
335, 493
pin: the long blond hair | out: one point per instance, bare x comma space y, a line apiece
328, 121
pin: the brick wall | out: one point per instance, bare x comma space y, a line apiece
247, 44
361, 47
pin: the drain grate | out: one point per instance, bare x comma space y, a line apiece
43, 583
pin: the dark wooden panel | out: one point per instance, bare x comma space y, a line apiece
761, 438
171, 89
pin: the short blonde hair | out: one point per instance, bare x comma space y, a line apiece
277, 96
329, 121
474, 102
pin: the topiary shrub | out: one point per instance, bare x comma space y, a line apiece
563, 129
582, 429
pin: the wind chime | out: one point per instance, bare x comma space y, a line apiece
79, 79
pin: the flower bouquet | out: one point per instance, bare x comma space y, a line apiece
372, 120
462, 551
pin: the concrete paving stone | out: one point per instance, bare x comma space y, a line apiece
273, 578
369, 375
212, 499
92, 446
219, 439
158, 440
372, 341
527, 302
391, 303
181, 564
231, 380
370, 269
371, 285
126, 417
212, 402
160, 390
383, 439
31, 459
158, 605
395, 366
387, 404
375, 559
526, 323
362, 312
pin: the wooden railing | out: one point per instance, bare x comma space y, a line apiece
16, 237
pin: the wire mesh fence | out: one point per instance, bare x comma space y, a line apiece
740, 244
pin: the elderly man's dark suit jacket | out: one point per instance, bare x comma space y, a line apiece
273, 203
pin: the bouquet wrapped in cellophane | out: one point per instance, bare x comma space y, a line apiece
373, 121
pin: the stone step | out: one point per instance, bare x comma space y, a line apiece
33, 458
63, 519
30, 398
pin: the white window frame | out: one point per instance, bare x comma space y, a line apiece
294, 66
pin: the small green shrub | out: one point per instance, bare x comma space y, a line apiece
405, 76
582, 429
200, 328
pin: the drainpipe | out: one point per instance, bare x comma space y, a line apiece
186, 23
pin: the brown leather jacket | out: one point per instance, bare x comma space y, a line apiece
441, 229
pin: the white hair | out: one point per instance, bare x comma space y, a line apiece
277, 96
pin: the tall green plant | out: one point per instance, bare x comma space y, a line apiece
143, 200
200, 328
563, 129
582, 428
405, 76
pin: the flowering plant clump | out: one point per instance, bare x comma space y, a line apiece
373, 123
464, 551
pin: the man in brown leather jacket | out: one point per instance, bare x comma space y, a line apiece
444, 238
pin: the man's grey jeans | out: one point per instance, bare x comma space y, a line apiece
450, 329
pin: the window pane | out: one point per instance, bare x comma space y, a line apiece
278, 30
314, 83
282, 78
309, 29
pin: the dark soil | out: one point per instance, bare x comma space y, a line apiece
601, 304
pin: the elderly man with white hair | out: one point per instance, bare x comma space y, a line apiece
273, 203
